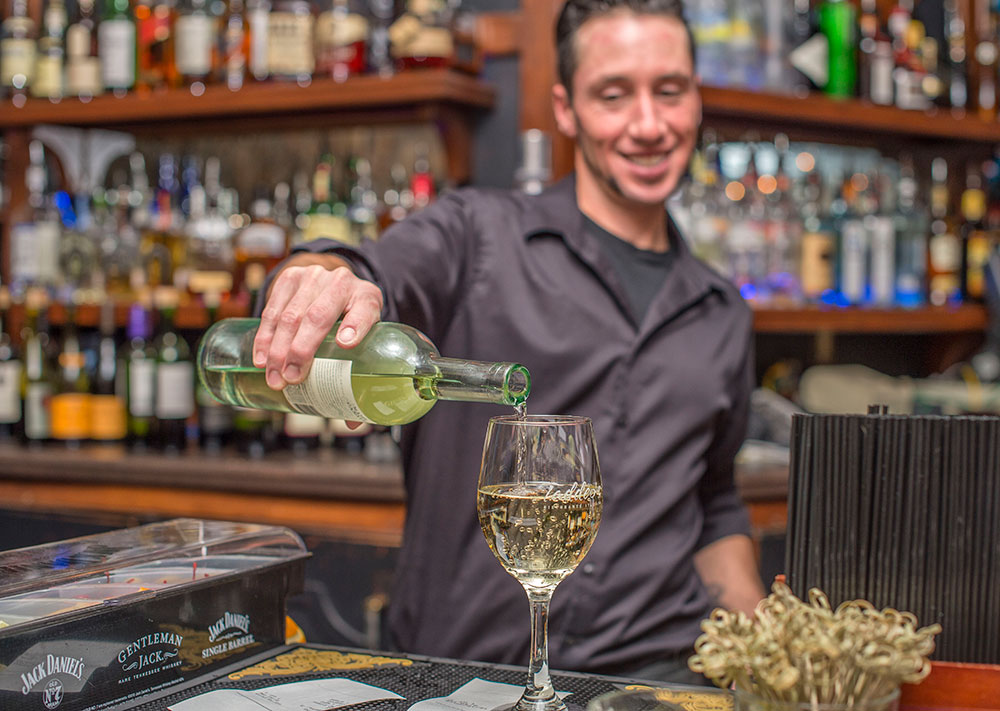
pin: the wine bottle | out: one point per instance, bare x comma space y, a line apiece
394, 376
174, 378
140, 377
69, 408
36, 382
10, 377
107, 407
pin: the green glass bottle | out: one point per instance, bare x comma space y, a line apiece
116, 46
838, 22
394, 376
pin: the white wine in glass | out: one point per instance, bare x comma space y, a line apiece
539, 503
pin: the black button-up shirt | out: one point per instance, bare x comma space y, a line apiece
500, 276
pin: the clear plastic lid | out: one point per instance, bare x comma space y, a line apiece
133, 560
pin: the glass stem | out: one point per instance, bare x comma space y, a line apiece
539, 688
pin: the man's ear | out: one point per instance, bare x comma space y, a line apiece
562, 107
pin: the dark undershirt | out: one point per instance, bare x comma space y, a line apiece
641, 271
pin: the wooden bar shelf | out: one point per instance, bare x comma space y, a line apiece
772, 112
409, 89
933, 319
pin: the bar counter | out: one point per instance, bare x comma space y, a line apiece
341, 496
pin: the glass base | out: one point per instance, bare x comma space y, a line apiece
526, 704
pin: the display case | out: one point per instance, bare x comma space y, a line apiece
90, 622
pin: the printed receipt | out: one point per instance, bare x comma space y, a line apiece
476, 695
313, 695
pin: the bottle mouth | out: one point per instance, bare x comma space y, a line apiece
517, 384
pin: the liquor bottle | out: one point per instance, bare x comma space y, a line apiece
194, 44
944, 249
363, 202
174, 377
155, 66
10, 376
880, 224
51, 60
394, 376
421, 179
535, 169
163, 245
397, 200
36, 378
262, 242
852, 273
380, 60
954, 26
341, 39
423, 36
838, 23
977, 242
107, 406
234, 46
290, 53
117, 46
77, 255
17, 52
818, 251
258, 19
911, 239
140, 376
254, 433
35, 232
983, 67
215, 419
83, 65
327, 216
69, 408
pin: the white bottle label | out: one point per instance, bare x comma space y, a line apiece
326, 391
17, 62
194, 35
883, 260
290, 44
174, 391
116, 46
853, 258
36, 413
47, 236
262, 238
10, 391
141, 387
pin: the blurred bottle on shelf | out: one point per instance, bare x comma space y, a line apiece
140, 375
69, 408
944, 249
535, 169
215, 419
955, 64
978, 243
380, 61
36, 378
327, 216
430, 34
163, 245
262, 242
290, 41
116, 41
17, 52
983, 64
363, 208
83, 65
155, 65
341, 35
107, 421
195, 36
35, 230
10, 376
397, 200
50, 64
912, 230
234, 46
838, 23
258, 14
421, 178
174, 377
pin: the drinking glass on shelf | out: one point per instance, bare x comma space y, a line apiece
539, 503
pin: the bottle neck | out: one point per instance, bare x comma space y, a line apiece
476, 381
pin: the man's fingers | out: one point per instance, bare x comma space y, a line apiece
362, 312
281, 292
319, 318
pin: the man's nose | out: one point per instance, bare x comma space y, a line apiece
647, 123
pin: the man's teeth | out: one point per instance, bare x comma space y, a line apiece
647, 160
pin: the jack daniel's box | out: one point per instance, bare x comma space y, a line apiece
90, 622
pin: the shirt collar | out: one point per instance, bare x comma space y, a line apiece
548, 214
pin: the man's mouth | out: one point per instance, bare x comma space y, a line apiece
646, 159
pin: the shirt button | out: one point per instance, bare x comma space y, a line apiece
587, 569
623, 420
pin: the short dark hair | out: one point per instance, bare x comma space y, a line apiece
575, 13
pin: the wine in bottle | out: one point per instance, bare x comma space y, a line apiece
107, 407
394, 376
70, 406
36, 378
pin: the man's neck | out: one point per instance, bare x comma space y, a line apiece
643, 226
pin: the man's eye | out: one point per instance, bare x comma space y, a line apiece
671, 91
611, 96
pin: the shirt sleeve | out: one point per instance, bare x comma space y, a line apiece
722, 504
422, 264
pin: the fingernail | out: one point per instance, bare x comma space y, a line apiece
273, 379
290, 373
347, 334
258, 359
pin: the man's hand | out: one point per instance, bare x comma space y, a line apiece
728, 568
306, 299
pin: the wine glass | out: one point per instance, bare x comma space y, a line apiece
539, 503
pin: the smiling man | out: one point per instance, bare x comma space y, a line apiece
592, 288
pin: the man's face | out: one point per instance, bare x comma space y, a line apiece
635, 107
